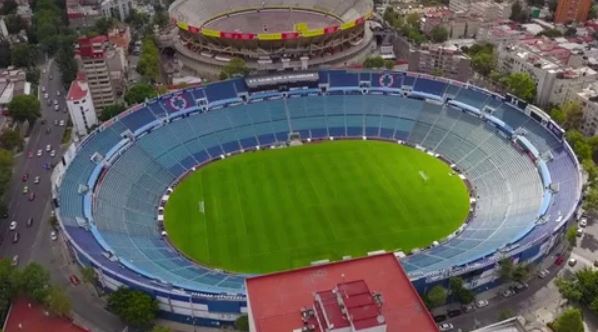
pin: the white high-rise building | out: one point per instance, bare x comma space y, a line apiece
80, 106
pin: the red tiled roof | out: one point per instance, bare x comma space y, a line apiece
276, 300
25, 316
76, 91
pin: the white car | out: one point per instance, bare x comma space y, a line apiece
58, 93
445, 327
43, 89
61, 123
572, 261
583, 222
15, 260
46, 95
53, 236
39, 152
508, 293
36, 180
56, 108
52, 153
579, 232
13, 225
48, 148
55, 102
481, 303
542, 274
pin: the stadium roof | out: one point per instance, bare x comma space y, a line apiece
276, 300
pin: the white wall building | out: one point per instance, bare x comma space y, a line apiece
588, 99
80, 106
120, 9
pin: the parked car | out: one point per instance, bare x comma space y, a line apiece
15, 237
583, 222
542, 274
61, 123
520, 286
559, 260
29, 222
39, 152
48, 148
36, 180
55, 102
25, 190
56, 108
439, 318
43, 89
53, 153
508, 293
445, 327
481, 303
53, 236
579, 232
572, 261
13, 225
58, 92
454, 313
15, 260
468, 307
46, 96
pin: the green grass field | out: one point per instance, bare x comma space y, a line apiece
279, 209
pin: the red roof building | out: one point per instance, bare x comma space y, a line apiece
26, 316
366, 294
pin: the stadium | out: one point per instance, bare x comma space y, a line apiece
514, 179
271, 34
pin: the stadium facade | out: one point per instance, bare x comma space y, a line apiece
109, 189
270, 34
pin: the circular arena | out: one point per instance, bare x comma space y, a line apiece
270, 34
112, 188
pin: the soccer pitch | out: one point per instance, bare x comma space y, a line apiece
278, 209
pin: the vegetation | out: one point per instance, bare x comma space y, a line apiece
459, 292
439, 34
373, 62
569, 321
505, 269
8, 7
551, 33
521, 85
10, 140
138, 93
5, 54
58, 302
483, 59
24, 55
569, 115
148, 65
315, 186
242, 323
160, 328
234, 67
133, 307
111, 111
436, 296
518, 14
505, 314
24, 108
582, 288
572, 236
6, 163
408, 25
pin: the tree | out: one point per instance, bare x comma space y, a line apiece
505, 314
65, 58
24, 55
111, 111
521, 85
133, 307
573, 115
57, 302
517, 13
8, 7
11, 139
483, 63
520, 273
413, 19
103, 25
551, 33
436, 296
138, 94
6, 163
5, 54
89, 275
8, 283
569, 321
572, 236
242, 323
571, 31
590, 202
235, 66
32, 75
579, 143
373, 62
148, 65
439, 34
160, 18
24, 108
389, 64
160, 328
14, 23
505, 269
34, 282
461, 294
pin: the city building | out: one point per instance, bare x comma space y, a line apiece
366, 294
568, 11
588, 99
557, 69
28, 316
444, 59
120, 9
80, 106
498, 34
81, 14
94, 55
13, 83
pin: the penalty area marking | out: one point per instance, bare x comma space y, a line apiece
423, 175
202, 207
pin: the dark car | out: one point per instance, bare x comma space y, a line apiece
439, 318
15, 237
29, 222
454, 313
4, 215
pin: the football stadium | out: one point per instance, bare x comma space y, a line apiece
188, 194
270, 34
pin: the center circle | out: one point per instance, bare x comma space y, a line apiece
284, 208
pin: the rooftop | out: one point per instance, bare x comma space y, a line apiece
276, 300
25, 316
78, 89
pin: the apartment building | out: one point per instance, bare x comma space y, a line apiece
80, 106
588, 99
441, 59
568, 11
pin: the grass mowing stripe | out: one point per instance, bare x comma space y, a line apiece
278, 209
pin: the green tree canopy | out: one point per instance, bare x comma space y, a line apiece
57, 302
242, 323
590, 202
582, 288
133, 307
520, 273
8, 7
521, 85
11, 139
569, 321
24, 108
137, 94
459, 292
65, 58
439, 34
580, 144
436, 296
32, 75
103, 25
518, 14
5, 54
374, 62
572, 115
161, 328
8, 283
14, 23
34, 281
235, 66
572, 236
551, 33
148, 65
6, 163
505, 269
24, 55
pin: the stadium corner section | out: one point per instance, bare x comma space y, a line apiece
213, 298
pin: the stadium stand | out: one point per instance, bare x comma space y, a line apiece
520, 203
